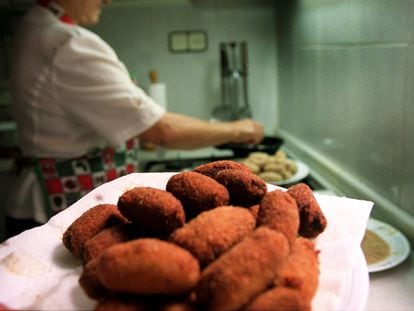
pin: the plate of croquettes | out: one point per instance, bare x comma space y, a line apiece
217, 237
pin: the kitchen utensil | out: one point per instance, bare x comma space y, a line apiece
270, 144
234, 95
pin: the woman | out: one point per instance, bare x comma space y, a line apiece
79, 115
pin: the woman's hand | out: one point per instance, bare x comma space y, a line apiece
247, 131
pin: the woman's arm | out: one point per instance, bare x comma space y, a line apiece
179, 131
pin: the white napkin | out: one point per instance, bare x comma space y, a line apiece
339, 247
37, 272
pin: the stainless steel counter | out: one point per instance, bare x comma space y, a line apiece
392, 289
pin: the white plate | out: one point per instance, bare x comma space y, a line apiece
357, 286
35, 265
398, 243
302, 172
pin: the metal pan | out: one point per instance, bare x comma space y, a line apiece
270, 144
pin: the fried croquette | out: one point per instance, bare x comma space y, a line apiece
245, 188
213, 232
124, 303
180, 303
278, 210
89, 224
4, 308
152, 209
106, 238
197, 192
144, 303
279, 299
242, 272
254, 209
312, 219
89, 280
148, 266
178, 306
212, 168
301, 269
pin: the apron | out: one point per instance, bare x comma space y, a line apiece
64, 181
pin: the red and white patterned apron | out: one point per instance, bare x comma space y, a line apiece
64, 181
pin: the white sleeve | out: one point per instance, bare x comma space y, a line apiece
94, 87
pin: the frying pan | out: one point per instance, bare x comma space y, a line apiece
269, 144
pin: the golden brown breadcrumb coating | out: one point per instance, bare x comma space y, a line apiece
197, 192
212, 168
279, 299
254, 209
278, 210
106, 238
301, 269
89, 224
153, 209
148, 266
242, 272
116, 302
145, 303
312, 219
89, 280
213, 232
245, 188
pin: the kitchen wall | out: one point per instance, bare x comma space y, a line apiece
139, 33
346, 98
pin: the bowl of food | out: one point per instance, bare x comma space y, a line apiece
276, 168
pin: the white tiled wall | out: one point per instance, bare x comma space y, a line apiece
139, 34
347, 91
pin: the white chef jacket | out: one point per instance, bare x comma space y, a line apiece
71, 94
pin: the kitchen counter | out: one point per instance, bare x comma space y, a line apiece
170, 154
157, 159
392, 289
